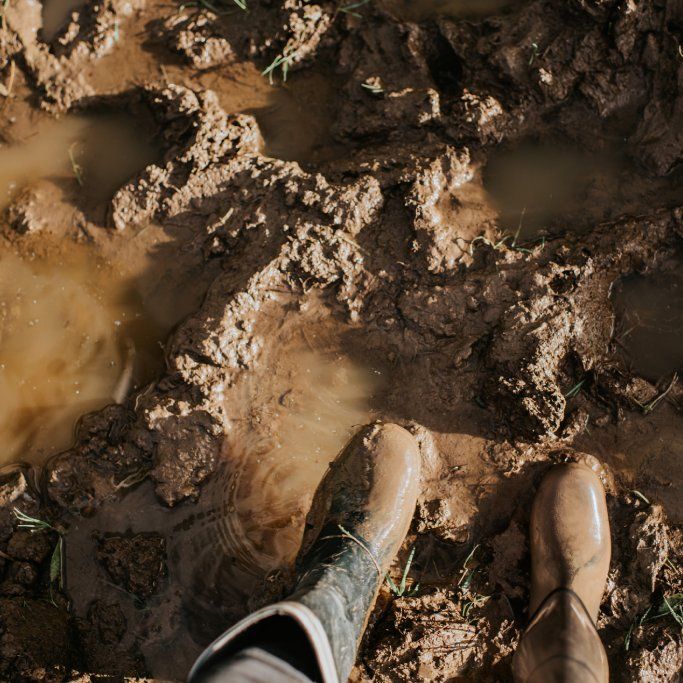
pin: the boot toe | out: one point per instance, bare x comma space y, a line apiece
570, 539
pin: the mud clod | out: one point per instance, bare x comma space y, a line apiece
135, 563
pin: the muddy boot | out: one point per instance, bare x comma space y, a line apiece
360, 515
570, 555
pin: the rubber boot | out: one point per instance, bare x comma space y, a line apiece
360, 515
570, 555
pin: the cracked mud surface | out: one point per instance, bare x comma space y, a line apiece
350, 246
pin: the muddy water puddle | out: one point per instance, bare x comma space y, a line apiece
535, 186
56, 15
650, 321
285, 426
73, 338
548, 189
74, 333
277, 454
90, 155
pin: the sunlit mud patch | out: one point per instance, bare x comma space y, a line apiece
87, 155
650, 321
72, 339
418, 10
56, 15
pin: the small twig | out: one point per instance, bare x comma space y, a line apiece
347, 534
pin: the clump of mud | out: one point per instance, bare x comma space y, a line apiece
480, 240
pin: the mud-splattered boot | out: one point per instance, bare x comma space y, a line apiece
570, 555
360, 515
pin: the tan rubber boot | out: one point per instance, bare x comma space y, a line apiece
360, 515
570, 555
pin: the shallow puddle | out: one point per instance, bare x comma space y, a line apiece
56, 14
650, 322
534, 185
45, 154
73, 338
547, 189
91, 154
113, 147
419, 10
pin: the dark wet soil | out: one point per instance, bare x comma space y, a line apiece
463, 217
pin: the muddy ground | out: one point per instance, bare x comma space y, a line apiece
349, 211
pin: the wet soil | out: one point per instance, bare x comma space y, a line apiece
463, 217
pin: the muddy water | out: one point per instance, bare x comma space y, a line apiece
91, 155
113, 147
547, 189
74, 333
533, 186
72, 339
289, 427
308, 414
286, 425
45, 154
56, 14
650, 322
418, 10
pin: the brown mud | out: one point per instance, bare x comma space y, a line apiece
466, 219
